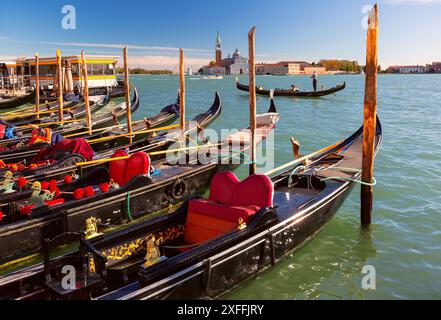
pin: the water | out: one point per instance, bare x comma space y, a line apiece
405, 239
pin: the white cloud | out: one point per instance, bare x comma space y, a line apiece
3, 38
162, 62
121, 46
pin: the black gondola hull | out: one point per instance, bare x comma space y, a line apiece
17, 101
290, 93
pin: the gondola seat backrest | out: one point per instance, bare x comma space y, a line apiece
230, 200
124, 170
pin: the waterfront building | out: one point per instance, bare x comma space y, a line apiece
406, 69
278, 69
435, 67
285, 68
7, 71
235, 65
101, 70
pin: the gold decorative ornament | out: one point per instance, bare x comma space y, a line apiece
153, 254
92, 268
140, 245
242, 225
8, 183
92, 228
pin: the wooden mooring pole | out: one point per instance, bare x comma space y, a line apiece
127, 94
37, 85
86, 92
182, 90
370, 118
60, 88
252, 86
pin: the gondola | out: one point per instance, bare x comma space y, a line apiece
19, 149
15, 101
138, 193
71, 111
113, 91
291, 93
64, 163
207, 246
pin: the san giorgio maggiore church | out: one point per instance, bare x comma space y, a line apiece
237, 64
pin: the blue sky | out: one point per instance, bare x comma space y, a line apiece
410, 30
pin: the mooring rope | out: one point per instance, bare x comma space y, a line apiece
129, 211
351, 170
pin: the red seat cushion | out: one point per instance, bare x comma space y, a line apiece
117, 168
200, 228
221, 211
138, 163
122, 171
222, 187
229, 201
255, 190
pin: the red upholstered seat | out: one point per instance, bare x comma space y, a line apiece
117, 168
122, 171
229, 201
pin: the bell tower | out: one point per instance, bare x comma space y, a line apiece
218, 51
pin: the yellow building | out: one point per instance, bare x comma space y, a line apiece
101, 70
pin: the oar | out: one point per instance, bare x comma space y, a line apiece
130, 135
100, 129
300, 160
155, 153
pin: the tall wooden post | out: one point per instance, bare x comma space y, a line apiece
60, 88
127, 95
370, 117
252, 86
181, 90
86, 92
37, 85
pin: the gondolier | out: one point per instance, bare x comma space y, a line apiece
314, 80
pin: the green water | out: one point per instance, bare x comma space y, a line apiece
404, 244
405, 239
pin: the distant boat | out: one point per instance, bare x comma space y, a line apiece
291, 93
212, 77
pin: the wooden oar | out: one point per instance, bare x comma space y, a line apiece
130, 135
99, 129
37, 85
45, 124
155, 153
86, 93
300, 160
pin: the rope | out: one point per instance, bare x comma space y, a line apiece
374, 182
240, 154
351, 170
129, 212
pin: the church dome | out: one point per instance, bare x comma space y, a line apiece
236, 54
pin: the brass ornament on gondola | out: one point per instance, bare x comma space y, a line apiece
242, 225
153, 254
92, 228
